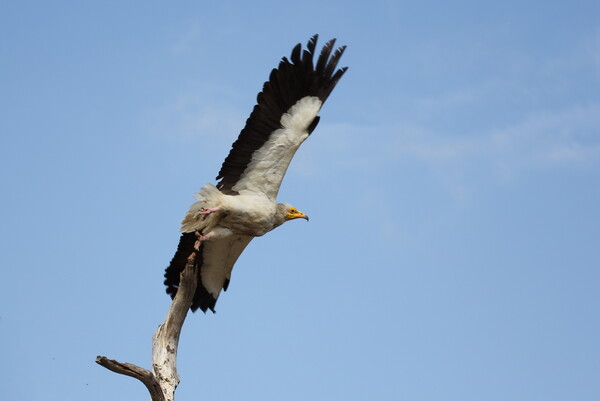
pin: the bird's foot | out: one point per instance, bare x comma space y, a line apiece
205, 211
201, 239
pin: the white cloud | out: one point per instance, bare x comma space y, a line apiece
547, 138
570, 136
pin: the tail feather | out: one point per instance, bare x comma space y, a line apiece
208, 197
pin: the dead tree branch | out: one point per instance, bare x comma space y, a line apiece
162, 381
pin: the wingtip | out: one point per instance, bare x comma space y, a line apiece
312, 43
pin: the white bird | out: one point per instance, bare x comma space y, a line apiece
225, 217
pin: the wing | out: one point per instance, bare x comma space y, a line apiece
285, 115
215, 262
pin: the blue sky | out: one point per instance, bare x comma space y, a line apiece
453, 187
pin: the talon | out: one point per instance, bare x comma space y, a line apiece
201, 239
205, 211
198, 241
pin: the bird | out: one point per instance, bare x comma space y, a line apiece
242, 205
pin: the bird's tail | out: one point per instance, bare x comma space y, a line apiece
208, 197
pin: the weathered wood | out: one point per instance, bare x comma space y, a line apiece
129, 369
165, 341
162, 381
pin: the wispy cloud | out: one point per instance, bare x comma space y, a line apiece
568, 138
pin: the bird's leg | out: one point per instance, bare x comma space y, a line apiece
201, 238
205, 211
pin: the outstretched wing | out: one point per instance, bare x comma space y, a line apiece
286, 113
215, 260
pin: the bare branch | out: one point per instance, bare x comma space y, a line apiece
128, 369
162, 381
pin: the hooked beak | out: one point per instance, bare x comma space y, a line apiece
301, 215
296, 214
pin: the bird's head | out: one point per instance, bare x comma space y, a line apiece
286, 212
292, 213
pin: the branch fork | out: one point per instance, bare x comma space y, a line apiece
163, 379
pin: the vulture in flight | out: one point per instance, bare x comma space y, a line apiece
225, 217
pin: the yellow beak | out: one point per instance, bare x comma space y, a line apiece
296, 215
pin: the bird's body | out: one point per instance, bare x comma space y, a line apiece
225, 218
249, 213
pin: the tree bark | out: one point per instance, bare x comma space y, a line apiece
163, 379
